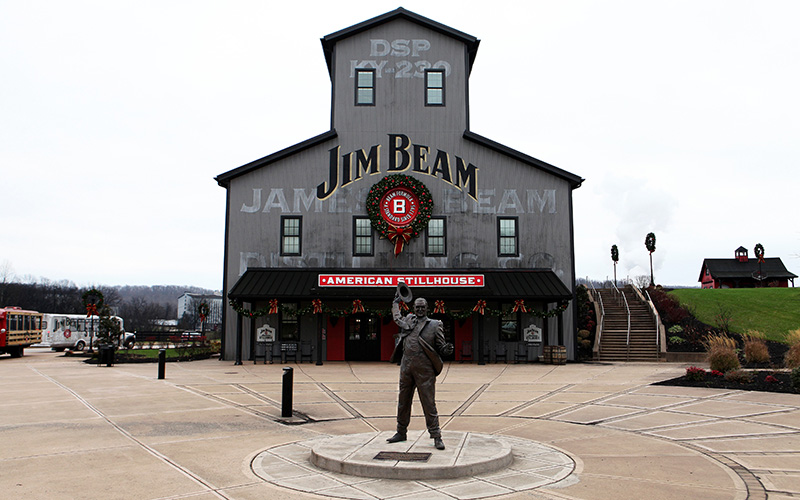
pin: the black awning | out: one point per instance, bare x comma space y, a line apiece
260, 284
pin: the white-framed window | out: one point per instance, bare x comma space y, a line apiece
291, 235
436, 237
362, 236
365, 87
434, 87
507, 236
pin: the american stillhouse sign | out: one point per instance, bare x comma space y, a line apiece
391, 280
318, 234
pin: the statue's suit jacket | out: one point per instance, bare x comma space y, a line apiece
431, 339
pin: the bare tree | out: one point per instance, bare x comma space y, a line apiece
641, 281
6, 276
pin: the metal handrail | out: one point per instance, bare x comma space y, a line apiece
655, 317
645, 297
599, 298
628, 310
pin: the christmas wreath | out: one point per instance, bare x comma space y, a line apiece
203, 310
759, 251
92, 301
399, 235
650, 242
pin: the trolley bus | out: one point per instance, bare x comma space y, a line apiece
19, 329
74, 331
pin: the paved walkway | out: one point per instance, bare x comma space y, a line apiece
70, 430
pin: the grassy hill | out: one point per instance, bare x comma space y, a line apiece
772, 311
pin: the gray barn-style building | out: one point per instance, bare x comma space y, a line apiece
318, 234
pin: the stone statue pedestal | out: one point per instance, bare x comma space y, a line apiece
369, 455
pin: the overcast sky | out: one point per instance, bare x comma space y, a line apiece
115, 117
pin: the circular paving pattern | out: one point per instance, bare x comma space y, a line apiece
473, 465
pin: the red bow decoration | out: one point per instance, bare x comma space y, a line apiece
399, 236
273, 306
519, 305
479, 307
317, 304
357, 307
202, 317
438, 307
91, 310
403, 306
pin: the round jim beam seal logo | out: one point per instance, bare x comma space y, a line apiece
399, 208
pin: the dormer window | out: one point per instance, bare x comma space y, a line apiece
365, 87
434, 87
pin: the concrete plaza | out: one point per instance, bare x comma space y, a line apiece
71, 430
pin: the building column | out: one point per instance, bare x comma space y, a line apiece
252, 338
319, 339
546, 327
479, 347
238, 355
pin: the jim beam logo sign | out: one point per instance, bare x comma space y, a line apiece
399, 209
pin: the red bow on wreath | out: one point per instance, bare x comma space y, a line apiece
357, 307
519, 305
438, 307
399, 236
317, 304
202, 317
91, 310
479, 307
273, 306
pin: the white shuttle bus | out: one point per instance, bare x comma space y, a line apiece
71, 331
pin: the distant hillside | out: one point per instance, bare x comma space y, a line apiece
159, 294
772, 311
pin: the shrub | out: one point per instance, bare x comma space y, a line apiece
676, 340
796, 379
755, 348
724, 359
770, 379
668, 306
717, 373
695, 373
675, 329
739, 376
720, 340
792, 357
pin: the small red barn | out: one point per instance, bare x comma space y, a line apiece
743, 272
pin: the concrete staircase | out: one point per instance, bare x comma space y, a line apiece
614, 340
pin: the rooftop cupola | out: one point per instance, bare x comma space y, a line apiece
741, 254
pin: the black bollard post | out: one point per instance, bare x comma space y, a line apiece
162, 363
286, 405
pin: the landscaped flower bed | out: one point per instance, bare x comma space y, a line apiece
745, 380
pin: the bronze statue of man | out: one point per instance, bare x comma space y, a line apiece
418, 350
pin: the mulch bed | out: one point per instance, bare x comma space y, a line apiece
760, 371
783, 382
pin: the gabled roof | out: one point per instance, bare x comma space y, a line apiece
731, 268
224, 179
574, 180
500, 284
329, 41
